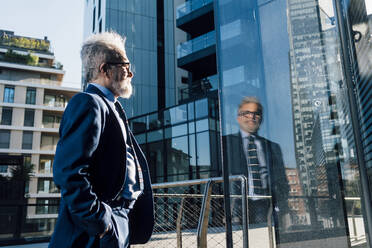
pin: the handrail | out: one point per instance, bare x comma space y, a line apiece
196, 44
194, 182
204, 216
207, 196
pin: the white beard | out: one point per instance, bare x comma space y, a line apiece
123, 89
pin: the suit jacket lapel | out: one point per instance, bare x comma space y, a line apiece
95, 90
268, 159
242, 157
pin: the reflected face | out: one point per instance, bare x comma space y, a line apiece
249, 118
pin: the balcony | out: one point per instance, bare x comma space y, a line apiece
195, 17
199, 88
198, 55
8, 39
49, 142
57, 98
51, 119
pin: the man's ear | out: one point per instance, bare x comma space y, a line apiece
103, 68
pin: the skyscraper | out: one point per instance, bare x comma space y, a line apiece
149, 32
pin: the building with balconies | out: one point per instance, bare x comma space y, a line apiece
196, 55
149, 30
32, 101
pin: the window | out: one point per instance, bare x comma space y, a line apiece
61, 100
46, 186
47, 206
9, 94
3, 168
49, 100
27, 159
6, 117
55, 101
48, 142
51, 121
48, 121
27, 140
45, 77
31, 96
29, 117
4, 138
46, 163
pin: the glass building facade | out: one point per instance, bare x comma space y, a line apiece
148, 28
308, 63
181, 142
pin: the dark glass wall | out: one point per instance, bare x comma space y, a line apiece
148, 28
287, 121
181, 142
356, 25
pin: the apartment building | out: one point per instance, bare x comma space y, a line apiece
32, 101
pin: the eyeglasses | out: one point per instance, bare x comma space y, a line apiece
125, 65
246, 114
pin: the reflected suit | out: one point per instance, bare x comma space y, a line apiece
277, 180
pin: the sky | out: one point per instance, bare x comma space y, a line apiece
60, 21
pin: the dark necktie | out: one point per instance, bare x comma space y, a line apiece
123, 116
254, 167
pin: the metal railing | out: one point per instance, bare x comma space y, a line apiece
191, 214
196, 44
190, 6
356, 225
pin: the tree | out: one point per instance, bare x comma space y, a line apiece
22, 173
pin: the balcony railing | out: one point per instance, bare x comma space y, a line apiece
191, 214
190, 6
196, 44
199, 88
56, 104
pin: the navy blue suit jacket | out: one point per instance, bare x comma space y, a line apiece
90, 169
237, 163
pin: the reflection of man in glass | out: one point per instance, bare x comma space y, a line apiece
260, 160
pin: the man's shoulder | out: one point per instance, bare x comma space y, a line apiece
232, 136
86, 98
275, 147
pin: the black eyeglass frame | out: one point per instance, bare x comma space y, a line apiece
254, 114
126, 64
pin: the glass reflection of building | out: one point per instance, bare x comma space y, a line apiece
312, 36
180, 142
148, 28
360, 20
267, 49
323, 138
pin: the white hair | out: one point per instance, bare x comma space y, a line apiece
101, 48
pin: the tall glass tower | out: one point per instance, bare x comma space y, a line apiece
148, 28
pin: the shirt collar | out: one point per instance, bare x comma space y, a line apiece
247, 135
108, 94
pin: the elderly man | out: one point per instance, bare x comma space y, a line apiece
102, 173
261, 161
